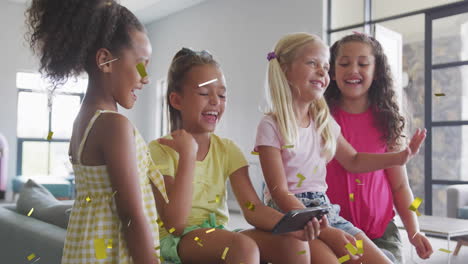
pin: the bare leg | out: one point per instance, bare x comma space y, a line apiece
241, 248
372, 253
279, 248
321, 253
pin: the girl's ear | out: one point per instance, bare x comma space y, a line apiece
103, 60
175, 100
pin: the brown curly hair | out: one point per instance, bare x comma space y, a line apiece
381, 95
68, 33
184, 60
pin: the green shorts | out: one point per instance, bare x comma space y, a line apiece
391, 242
170, 243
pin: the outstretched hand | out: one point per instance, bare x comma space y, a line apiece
413, 147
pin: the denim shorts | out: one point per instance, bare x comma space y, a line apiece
313, 199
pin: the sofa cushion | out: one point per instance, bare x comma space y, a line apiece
46, 207
463, 212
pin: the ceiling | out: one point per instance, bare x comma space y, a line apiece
151, 10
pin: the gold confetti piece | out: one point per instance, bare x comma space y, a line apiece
301, 179
445, 250
157, 248
255, 153
344, 258
88, 199
360, 246
211, 230
49, 136
216, 200
206, 83
351, 249
439, 94
100, 248
351, 197
129, 222
31, 257
287, 146
223, 257
290, 193
250, 206
172, 230
141, 70
31, 211
415, 204
358, 181
302, 252
315, 170
160, 222
198, 241
109, 243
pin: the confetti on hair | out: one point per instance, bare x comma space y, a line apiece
415, 205
223, 257
100, 248
217, 200
208, 82
210, 230
250, 206
351, 249
445, 250
301, 179
351, 197
439, 94
109, 243
31, 257
88, 199
360, 246
302, 252
344, 258
287, 146
172, 230
49, 136
255, 153
31, 211
141, 70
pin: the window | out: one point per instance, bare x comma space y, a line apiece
162, 127
41, 112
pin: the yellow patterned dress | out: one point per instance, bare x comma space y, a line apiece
94, 233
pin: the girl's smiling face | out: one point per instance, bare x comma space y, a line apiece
201, 106
354, 69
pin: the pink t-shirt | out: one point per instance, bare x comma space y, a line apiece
303, 158
372, 208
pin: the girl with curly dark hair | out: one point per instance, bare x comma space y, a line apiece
113, 219
363, 102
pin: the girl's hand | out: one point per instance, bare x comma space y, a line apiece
311, 231
337, 239
182, 142
413, 147
422, 245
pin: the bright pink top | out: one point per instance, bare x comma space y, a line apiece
372, 208
304, 158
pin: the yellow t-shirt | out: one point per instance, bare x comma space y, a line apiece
211, 174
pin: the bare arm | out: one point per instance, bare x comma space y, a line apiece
275, 178
262, 217
179, 188
119, 152
356, 162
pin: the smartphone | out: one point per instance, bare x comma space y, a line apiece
297, 219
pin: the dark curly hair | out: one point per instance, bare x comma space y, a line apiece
184, 60
67, 34
382, 98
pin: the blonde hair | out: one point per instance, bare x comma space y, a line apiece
281, 101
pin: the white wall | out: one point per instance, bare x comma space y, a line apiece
15, 56
239, 34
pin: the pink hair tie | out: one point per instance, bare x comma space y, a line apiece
271, 56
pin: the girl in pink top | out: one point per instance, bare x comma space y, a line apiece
297, 138
362, 102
